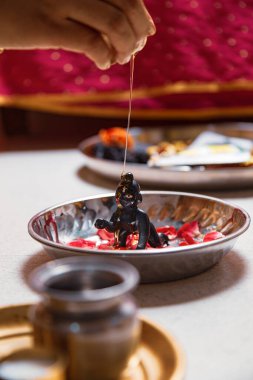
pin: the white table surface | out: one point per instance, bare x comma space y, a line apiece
211, 315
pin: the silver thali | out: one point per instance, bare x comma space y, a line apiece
56, 226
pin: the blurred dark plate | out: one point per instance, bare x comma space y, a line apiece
204, 177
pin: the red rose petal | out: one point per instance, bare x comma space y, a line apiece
183, 243
186, 234
105, 235
75, 243
214, 235
82, 243
191, 228
170, 231
105, 246
188, 238
132, 241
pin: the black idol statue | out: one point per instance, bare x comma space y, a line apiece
128, 218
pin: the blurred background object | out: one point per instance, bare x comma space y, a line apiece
32, 364
197, 67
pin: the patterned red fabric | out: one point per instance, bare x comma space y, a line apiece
200, 59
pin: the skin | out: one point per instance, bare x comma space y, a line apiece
106, 31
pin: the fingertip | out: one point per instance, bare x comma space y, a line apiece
123, 61
152, 29
103, 66
140, 45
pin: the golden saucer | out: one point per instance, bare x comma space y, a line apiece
158, 356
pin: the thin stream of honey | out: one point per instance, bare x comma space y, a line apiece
129, 110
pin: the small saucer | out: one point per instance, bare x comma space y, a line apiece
158, 356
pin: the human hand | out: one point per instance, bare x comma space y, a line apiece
106, 31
